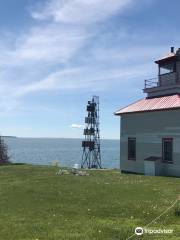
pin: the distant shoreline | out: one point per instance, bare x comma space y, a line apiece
9, 137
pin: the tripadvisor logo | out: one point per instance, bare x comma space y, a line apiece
139, 231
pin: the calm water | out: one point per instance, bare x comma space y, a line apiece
66, 151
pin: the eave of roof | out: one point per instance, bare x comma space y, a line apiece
167, 58
150, 105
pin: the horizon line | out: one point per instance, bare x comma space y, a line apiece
58, 137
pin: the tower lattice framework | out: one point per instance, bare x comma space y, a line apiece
91, 157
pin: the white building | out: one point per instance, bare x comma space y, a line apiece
150, 127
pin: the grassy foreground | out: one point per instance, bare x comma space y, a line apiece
37, 204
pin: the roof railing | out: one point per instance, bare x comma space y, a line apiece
151, 83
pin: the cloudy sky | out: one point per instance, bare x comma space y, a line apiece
56, 54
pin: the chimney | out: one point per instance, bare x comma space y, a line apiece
172, 49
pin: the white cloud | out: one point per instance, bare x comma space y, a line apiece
44, 57
82, 78
52, 41
80, 11
56, 41
51, 44
56, 80
138, 53
74, 125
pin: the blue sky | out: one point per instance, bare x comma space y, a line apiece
56, 54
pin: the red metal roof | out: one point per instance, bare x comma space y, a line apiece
166, 58
152, 104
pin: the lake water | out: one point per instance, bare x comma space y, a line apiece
67, 151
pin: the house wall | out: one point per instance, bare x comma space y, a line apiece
149, 128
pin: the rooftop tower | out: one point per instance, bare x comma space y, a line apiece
168, 81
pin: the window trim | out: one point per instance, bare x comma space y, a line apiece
130, 158
170, 140
174, 70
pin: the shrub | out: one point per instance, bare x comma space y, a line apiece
4, 157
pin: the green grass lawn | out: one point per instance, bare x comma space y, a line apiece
35, 203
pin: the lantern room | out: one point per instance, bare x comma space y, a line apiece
168, 80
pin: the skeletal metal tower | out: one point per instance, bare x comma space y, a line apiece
91, 157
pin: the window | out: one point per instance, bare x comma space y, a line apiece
167, 68
167, 150
131, 148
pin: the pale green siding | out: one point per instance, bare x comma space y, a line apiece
149, 128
